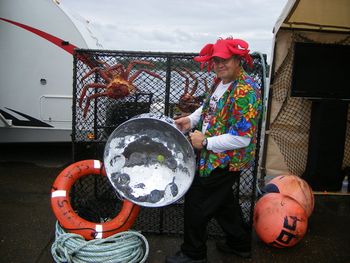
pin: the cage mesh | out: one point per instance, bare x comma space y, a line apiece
151, 94
290, 128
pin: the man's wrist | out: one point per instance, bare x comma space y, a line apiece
205, 143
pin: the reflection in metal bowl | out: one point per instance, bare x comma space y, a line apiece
149, 161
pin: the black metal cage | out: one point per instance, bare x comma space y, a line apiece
159, 81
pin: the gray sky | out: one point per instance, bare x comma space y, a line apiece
179, 25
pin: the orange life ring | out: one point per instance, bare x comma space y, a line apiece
70, 221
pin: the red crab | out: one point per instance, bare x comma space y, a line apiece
188, 103
118, 84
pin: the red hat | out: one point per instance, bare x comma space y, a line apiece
224, 48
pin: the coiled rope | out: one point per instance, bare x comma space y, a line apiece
128, 246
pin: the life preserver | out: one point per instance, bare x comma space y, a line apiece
70, 221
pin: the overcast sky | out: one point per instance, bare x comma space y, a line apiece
179, 25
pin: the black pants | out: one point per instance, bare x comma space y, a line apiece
210, 197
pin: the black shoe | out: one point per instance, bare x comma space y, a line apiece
242, 252
180, 257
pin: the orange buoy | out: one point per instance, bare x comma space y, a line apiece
294, 187
70, 221
279, 220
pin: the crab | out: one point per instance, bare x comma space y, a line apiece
117, 81
188, 103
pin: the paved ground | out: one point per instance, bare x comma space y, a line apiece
27, 223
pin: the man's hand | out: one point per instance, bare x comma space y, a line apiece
183, 124
196, 139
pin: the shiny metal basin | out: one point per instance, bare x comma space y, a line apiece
149, 161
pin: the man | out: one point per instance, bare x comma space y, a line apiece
225, 127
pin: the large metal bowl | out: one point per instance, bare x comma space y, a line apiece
149, 161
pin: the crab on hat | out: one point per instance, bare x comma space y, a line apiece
224, 48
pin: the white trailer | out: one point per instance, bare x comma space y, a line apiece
37, 41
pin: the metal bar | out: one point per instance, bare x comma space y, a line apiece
258, 136
95, 109
136, 53
167, 86
74, 104
74, 88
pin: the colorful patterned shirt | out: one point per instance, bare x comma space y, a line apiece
237, 113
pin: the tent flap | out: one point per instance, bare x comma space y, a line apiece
316, 15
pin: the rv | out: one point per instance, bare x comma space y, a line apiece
37, 43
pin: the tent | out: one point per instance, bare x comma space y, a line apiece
289, 136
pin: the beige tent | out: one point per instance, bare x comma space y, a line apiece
316, 15
285, 148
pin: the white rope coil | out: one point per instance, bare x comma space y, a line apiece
128, 246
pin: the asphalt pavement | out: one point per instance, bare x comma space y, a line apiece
27, 227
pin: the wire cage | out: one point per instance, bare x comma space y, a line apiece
159, 80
